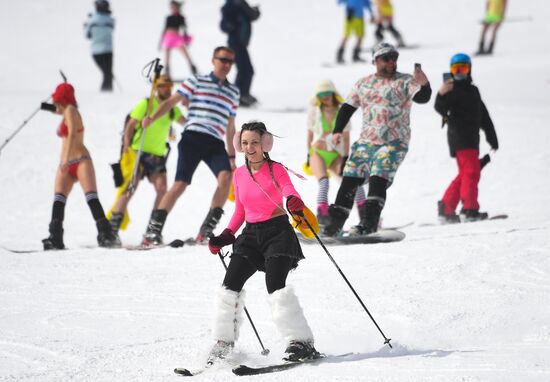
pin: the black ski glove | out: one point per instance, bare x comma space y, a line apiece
218, 242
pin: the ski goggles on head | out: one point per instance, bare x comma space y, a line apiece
460, 69
328, 93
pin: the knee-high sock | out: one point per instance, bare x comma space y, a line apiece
360, 196
322, 193
95, 205
58, 210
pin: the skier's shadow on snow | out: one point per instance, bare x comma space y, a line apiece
397, 351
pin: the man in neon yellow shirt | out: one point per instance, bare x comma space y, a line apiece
494, 15
152, 161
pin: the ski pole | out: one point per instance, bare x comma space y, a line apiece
156, 68
21, 126
264, 350
386, 340
29, 117
115, 80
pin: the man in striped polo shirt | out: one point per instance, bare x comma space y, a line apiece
212, 102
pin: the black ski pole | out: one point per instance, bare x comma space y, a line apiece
264, 350
115, 80
63, 75
386, 340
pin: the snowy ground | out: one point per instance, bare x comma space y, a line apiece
461, 303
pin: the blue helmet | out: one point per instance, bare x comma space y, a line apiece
463, 58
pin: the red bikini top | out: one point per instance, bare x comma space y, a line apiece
63, 130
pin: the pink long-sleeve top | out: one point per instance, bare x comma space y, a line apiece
251, 203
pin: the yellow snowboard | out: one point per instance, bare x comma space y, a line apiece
301, 226
127, 164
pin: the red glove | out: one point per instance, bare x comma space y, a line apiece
295, 205
218, 242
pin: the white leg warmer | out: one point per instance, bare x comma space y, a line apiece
288, 316
229, 315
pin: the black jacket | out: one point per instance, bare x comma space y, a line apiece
237, 16
465, 113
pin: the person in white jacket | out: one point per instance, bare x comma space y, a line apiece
99, 29
323, 155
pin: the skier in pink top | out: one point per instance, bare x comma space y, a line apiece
267, 243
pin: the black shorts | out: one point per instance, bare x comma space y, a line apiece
271, 238
151, 165
195, 147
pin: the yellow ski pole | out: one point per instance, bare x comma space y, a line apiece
157, 68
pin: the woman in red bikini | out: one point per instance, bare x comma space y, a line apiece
75, 166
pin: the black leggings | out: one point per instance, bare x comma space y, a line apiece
240, 270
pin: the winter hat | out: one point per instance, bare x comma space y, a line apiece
164, 80
64, 94
381, 49
102, 6
326, 86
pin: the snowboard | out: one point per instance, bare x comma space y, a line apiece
493, 217
381, 236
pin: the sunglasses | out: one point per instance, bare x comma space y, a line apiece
460, 69
392, 56
225, 60
325, 94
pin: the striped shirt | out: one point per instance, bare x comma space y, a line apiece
211, 104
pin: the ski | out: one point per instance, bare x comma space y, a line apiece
36, 250
191, 373
13, 250
177, 243
244, 370
188, 373
195, 241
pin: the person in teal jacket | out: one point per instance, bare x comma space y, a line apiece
99, 29
354, 24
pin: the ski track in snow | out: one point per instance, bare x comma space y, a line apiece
467, 302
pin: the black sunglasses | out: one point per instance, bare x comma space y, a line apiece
392, 56
225, 60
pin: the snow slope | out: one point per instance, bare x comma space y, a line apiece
461, 303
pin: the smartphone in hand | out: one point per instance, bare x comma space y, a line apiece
447, 76
417, 66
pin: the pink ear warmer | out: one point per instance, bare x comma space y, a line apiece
267, 142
